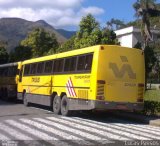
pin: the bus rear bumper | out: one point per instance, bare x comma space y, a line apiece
104, 105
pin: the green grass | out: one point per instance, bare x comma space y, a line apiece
151, 102
152, 95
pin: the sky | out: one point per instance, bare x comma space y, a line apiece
67, 14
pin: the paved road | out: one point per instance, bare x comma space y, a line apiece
37, 127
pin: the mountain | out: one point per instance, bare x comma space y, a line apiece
13, 30
65, 33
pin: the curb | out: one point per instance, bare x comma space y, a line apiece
155, 122
150, 120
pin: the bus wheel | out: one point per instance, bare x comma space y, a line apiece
25, 101
57, 104
65, 106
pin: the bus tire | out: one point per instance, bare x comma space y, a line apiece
57, 105
65, 106
25, 101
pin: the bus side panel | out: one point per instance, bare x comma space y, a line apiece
38, 89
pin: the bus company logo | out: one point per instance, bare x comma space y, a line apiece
70, 88
126, 68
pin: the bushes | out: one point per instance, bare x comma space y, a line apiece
152, 102
151, 107
152, 95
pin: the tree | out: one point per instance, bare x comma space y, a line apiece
41, 42
150, 60
89, 28
67, 46
20, 53
145, 9
88, 25
3, 53
90, 34
115, 24
109, 37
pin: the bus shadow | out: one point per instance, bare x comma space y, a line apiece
112, 118
8, 102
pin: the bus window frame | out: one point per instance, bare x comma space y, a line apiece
40, 73
53, 72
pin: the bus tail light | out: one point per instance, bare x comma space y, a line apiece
100, 97
140, 100
140, 92
100, 90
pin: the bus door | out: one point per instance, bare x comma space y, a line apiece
19, 81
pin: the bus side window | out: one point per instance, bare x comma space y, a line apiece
81, 63
33, 68
58, 65
26, 69
73, 63
70, 64
13, 71
1, 71
5, 73
88, 62
48, 66
67, 64
40, 68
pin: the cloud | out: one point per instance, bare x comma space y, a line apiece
92, 10
40, 3
59, 13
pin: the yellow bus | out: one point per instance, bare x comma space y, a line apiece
102, 77
8, 80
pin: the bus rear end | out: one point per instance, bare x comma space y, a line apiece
120, 79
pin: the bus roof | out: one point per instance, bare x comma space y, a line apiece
9, 64
70, 53
63, 54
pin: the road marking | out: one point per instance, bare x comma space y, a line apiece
64, 135
32, 131
127, 127
147, 127
81, 133
141, 130
117, 131
18, 135
94, 130
36, 133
